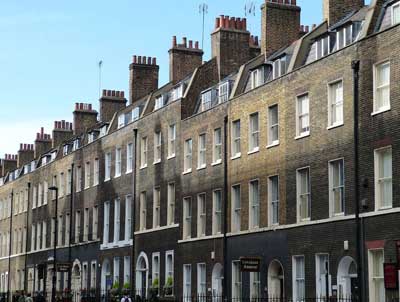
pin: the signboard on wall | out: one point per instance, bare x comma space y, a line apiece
390, 274
250, 264
63, 267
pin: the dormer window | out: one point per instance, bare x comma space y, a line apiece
32, 166
159, 102
76, 145
27, 168
347, 35
103, 130
135, 114
257, 77
121, 120
177, 92
323, 47
65, 150
208, 99
396, 13
44, 160
223, 92
91, 137
279, 67
53, 155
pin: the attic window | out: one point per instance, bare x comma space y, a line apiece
159, 103
177, 92
103, 130
396, 13
32, 166
53, 155
121, 121
322, 47
257, 77
76, 145
91, 137
44, 160
223, 92
27, 168
209, 99
347, 35
279, 67
65, 150
135, 114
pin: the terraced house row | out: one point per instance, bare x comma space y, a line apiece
267, 171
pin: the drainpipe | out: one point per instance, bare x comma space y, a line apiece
355, 65
10, 245
26, 241
225, 252
71, 203
133, 207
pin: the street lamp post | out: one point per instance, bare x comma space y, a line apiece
54, 279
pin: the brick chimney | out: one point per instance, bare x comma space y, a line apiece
183, 59
26, 154
143, 77
43, 143
111, 102
230, 44
280, 24
62, 132
335, 10
9, 163
85, 117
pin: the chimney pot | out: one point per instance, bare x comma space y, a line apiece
190, 44
149, 61
174, 41
217, 23
244, 24
112, 92
154, 61
104, 92
135, 59
122, 94
144, 60
139, 59
196, 45
184, 42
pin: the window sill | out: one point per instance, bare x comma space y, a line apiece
143, 167
128, 172
107, 179
302, 135
187, 172
256, 150
274, 144
117, 176
216, 163
157, 162
382, 110
201, 168
236, 156
171, 156
334, 126
385, 208
304, 220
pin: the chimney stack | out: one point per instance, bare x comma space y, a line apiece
43, 143
9, 163
111, 102
335, 10
143, 77
231, 44
85, 117
183, 59
62, 132
280, 23
26, 154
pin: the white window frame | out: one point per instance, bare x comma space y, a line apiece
187, 217
169, 273
155, 270
236, 281
299, 194
129, 158
271, 126
96, 172
143, 152
188, 152
254, 133
156, 207
187, 283
201, 281
106, 226
143, 211
296, 280
372, 278
271, 201
235, 139
171, 140
255, 286
333, 104
121, 120
107, 166
378, 191
236, 211
332, 189
320, 282
202, 151
217, 212
254, 205
201, 214
171, 203
128, 217
87, 175
217, 146
95, 222
223, 92
376, 109
395, 6
118, 162
299, 132
157, 146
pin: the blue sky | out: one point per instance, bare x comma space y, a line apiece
49, 51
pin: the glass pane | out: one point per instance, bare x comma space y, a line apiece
396, 14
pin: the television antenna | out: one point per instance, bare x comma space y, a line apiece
250, 10
100, 66
203, 10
